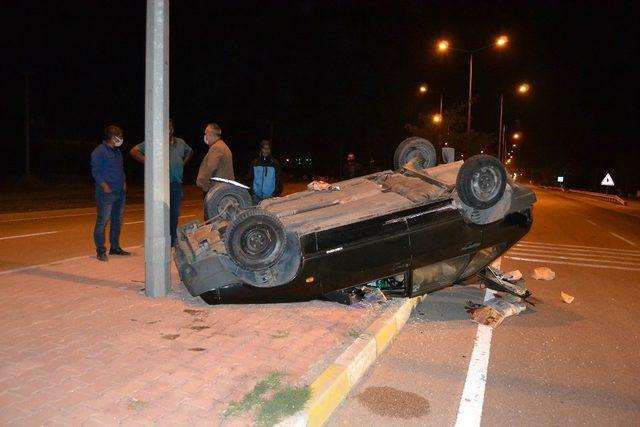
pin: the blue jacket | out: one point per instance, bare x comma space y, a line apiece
107, 166
265, 178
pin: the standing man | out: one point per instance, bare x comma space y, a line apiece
352, 169
179, 155
264, 175
217, 163
107, 169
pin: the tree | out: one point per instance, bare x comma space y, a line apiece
452, 131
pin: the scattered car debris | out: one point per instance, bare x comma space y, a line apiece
543, 273
322, 186
513, 275
495, 310
568, 299
360, 297
506, 282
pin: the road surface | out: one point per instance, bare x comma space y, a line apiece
555, 364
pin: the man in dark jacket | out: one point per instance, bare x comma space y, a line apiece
351, 169
264, 175
107, 169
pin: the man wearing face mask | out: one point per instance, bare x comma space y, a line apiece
264, 175
107, 169
217, 163
179, 155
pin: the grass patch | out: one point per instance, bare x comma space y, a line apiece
284, 403
354, 334
254, 397
285, 400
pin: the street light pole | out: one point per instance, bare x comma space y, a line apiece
500, 128
470, 94
27, 127
156, 167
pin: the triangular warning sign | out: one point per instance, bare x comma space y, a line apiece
608, 181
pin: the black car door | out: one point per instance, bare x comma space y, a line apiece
364, 251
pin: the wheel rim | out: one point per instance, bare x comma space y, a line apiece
257, 242
485, 183
421, 158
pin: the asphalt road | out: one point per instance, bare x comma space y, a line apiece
555, 364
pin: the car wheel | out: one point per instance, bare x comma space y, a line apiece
415, 147
226, 201
481, 181
255, 239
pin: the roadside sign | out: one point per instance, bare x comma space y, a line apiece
561, 179
608, 181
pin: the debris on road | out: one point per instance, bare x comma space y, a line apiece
495, 310
322, 186
360, 297
568, 299
513, 275
543, 273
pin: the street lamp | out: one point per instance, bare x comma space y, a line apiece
521, 89
436, 119
444, 46
516, 136
423, 88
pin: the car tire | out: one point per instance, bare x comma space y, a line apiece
412, 147
226, 201
481, 181
255, 239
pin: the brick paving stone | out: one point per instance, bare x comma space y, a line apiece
79, 344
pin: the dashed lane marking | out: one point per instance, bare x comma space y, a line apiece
564, 246
27, 235
622, 238
591, 222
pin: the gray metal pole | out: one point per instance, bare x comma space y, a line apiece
27, 127
500, 128
156, 165
470, 94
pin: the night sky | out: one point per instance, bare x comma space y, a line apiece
330, 76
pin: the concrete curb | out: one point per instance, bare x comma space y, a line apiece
334, 384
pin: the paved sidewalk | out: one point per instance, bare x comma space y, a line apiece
79, 345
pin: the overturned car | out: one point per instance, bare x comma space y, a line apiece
433, 225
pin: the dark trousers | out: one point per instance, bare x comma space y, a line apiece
175, 197
110, 207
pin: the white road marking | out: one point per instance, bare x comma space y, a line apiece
571, 258
60, 261
562, 246
622, 238
472, 399
576, 252
76, 214
590, 222
548, 261
27, 235
140, 222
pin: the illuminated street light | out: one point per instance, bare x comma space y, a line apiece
423, 88
436, 119
523, 88
443, 46
514, 145
502, 41
516, 136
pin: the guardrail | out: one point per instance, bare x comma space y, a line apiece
601, 196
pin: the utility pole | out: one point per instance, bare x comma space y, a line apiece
27, 126
156, 166
500, 128
469, 97
440, 127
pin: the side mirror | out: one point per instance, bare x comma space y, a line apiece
448, 154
